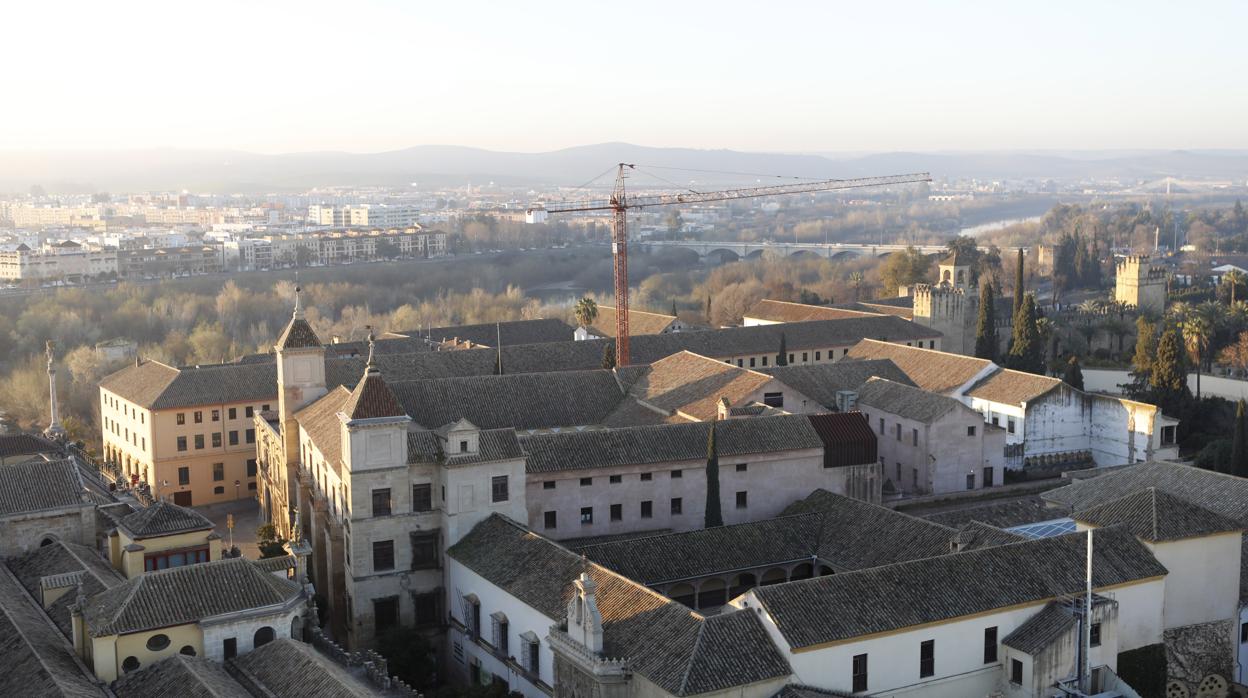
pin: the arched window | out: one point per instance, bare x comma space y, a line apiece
187, 650
712, 594
263, 637
157, 643
774, 576
802, 571
743, 583
683, 593
46, 542
130, 664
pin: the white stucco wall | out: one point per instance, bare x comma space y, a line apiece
1203, 584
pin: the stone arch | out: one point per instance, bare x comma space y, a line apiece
802, 571
946, 276
263, 637
712, 593
683, 593
774, 575
844, 255
743, 583
756, 254
803, 254
824, 571
296, 628
882, 255
722, 256
47, 540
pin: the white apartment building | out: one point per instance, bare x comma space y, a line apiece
364, 216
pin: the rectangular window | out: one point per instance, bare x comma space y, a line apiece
1016, 672
181, 418
144, 440
751, 362
616, 479
383, 555
647, 477
742, 499
1009, 426
970, 431
587, 515
990, 645
216, 415
199, 417
1095, 641
498, 489
677, 474
548, 485
1167, 435
385, 613
425, 550
249, 412
229, 647
251, 467
927, 658
381, 502
647, 511
501, 628
791, 359
881, 426
216, 439
764, 360
181, 443
914, 472
617, 512
234, 438
426, 608
773, 399
422, 497
587, 481
184, 475
463, 446
742, 467
970, 481
860, 673
677, 506
265, 408
199, 442
532, 656
550, 520
914, 437
805, 357
898, 430
218, 472
233, 413
251, 436
818, 355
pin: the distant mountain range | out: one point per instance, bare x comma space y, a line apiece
433, 165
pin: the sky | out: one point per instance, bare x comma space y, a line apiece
827, 76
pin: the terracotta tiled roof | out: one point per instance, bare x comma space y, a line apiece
288, 667
37, 660
1158, 516
1013, 387
847, 438
372, 399
785, 311
937, 371
821, 382
182, 676
39, 485
25, 445
536, 331
298, 335
164, 519
905, 401
320, 421
639, 322
691, 385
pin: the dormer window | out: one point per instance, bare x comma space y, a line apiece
463, 446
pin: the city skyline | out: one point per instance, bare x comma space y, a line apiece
802, 78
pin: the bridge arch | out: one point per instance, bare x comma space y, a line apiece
804, 254
720, 255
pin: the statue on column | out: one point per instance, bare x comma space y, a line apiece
55, 430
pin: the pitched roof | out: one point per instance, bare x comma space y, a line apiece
1046, 625
292, 669
186, 594
156, 386
785, 311
522, 401
164, 519
40, 485
1012, 387
535, 331
320, 420
977, 534
61, 558
937, 371
38, 661
881, 599
605, 448
683, 652
492, 445
25, 445
1156, 515
905, 401
821, 382
180, 675
639, 322
690, 386
298, 335
847, 438
1002, 514
372, 399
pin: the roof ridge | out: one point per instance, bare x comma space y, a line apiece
697, 645
668, 534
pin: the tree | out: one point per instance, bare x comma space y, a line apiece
409, 656
1073, 375
986, 330
1233, 287
1027, 346
1198, 325
1239, 447
1168, 379
1018, 287
713, 516
708, 309
586, 311
1235, 355
1145, 347
904, 268
856, 278
674, 312
608, 355
270, 544
782, 359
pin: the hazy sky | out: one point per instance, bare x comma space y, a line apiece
795, 76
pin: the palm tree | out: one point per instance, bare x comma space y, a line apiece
1198, 324
1236, 279
586, 311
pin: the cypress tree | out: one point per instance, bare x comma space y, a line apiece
986, 331
1168, 377
714, 517
1239, 448
1073, 375
1018, 287
608, 356
1145, 346
783, 358
674, 313
1027, 349
708, 309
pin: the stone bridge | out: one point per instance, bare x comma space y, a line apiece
731, 251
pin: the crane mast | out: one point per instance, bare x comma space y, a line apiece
619, 203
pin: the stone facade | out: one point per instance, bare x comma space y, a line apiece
1196, 651
1139, 284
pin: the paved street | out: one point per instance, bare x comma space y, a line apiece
246, 519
